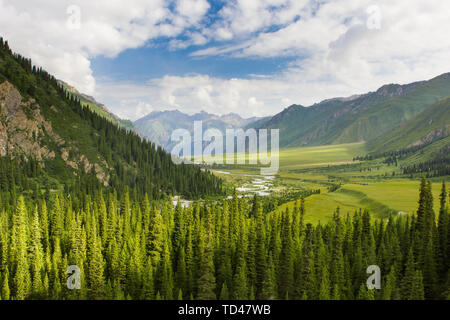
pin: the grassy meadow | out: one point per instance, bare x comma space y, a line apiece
370, 184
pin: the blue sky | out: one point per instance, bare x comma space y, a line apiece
156, 61
156, 58
251, 57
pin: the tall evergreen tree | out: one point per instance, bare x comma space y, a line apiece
207, 281
286, 267
443, 232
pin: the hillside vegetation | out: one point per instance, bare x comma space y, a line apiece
42, 122
358, 118
96, 107
427, 127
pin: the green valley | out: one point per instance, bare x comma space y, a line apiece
343, 182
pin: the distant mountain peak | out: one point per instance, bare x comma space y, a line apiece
294, 106
232, 114
158, 126
165, 111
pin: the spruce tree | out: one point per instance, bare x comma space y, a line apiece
324, 289
36, 254
18, 251
443, 227
260, 253
206, 285
224, 294
389, 290
417, 291
96, 269
408, 277
269, 288
5, 292
286, 268
148, 285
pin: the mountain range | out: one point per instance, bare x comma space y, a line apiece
358, 118
392, 118
159, 125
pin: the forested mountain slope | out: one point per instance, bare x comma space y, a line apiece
358, 118
41, 123
429, 126
422, 143
97, 107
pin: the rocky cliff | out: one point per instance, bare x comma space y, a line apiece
25, 132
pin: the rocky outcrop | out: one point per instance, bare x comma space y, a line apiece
22, 126
432, 136
75, 160
23, 130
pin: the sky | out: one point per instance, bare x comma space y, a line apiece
251, 57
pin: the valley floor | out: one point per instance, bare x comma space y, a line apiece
343, 182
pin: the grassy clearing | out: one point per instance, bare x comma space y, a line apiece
381, 199
400, 195
308, 157
321, 207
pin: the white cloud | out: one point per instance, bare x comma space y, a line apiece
38, 29
247, 97
335, 53
193, 10
243, 17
